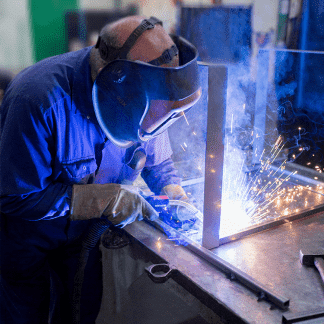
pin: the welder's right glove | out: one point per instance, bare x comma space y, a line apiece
121, 204
176, 192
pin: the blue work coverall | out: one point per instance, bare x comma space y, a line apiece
50, 140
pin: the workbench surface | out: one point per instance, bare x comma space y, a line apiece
271, 257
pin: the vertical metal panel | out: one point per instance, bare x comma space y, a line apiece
260, 105
217, 85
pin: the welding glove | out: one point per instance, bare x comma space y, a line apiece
120, 204
176, 192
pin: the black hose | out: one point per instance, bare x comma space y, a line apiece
90, 241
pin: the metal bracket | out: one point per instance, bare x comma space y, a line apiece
160, 273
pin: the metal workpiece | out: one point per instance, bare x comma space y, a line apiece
272, 223
217, 87
314, 316
271, 258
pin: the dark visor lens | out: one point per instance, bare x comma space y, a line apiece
162, 110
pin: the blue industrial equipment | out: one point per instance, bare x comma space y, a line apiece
222, 34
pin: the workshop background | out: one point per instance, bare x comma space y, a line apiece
31, 30
199, 292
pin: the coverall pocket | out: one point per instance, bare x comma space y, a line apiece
81, 171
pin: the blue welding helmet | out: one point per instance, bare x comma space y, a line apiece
136, 101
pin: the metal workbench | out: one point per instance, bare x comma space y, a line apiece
271, 257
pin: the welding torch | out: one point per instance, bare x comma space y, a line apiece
175, 213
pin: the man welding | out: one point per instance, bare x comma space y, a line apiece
76, 131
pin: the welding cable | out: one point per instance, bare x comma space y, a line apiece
196, 212
90, 241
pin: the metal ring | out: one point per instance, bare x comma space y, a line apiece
166, 270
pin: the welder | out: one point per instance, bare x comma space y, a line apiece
76, 131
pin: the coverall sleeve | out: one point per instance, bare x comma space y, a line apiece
160, 170
28, 189
159, 176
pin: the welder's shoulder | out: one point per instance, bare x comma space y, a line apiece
44, 83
